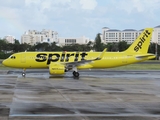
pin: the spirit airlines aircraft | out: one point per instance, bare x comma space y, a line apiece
61, 62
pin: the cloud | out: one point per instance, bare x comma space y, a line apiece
88, 4
43, 12
77, 17
29, 2
11, 3
46, 3
140, 6
72, 4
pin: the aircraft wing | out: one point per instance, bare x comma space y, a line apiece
78, 63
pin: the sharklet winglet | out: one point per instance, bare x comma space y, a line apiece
101, 55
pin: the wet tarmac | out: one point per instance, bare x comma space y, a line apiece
95, 95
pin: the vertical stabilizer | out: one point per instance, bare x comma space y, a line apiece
141, 44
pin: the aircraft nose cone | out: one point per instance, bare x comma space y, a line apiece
3, 62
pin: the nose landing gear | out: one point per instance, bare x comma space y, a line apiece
24, 73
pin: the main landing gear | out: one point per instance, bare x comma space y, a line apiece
75, 74
24, 73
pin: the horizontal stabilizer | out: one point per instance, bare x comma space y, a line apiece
144, 56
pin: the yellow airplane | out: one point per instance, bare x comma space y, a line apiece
61, 62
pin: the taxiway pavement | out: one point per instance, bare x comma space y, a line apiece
95, 95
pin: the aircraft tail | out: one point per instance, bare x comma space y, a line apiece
141, 44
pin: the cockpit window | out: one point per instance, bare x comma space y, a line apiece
13, 57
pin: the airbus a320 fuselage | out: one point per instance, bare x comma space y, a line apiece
61, 62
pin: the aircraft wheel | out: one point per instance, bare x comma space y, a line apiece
76, 74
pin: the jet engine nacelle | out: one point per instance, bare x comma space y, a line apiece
56, 69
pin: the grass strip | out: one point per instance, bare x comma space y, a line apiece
138, 67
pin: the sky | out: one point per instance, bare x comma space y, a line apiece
76, 18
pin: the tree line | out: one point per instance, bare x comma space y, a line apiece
6, 49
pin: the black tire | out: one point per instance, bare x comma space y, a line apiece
76, 74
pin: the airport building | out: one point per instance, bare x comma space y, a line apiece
156, 35
9, 39
72, 40
128, 35
108, 36
33, 37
